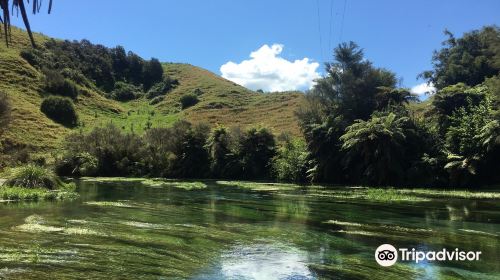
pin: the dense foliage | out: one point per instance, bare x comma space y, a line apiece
291, 161
60, 109
182, 151
469, 60
97, 67
125, 92
359, 129
55, 83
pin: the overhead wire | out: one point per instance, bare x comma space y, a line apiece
342, 22
319, 31
331, 26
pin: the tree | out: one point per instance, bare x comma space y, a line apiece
471, 138
152, 73
352, 83
291, 161
452, 98
350, 91
135, 68
18, 5
190, 157
469, 60
220, 152
387, 97
374, 149
257, 147
120, 63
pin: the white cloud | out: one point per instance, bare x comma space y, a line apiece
268, 71
423, 89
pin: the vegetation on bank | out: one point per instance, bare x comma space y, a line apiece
357, 125
32, 182
359, 129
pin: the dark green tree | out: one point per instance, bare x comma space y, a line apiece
152, 73
469, 60
349, 92
220, 152
374, 150
257, 147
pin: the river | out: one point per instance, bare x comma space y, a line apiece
149, 229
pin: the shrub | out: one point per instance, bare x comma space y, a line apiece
162, 88
60, 110
125, 92
188, 100
156, 100
115, 153
290, 162
32, 176
81, 164
55, 83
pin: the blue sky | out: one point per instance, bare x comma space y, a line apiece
398, 35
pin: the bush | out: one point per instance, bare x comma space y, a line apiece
105, 151
290, 163
156, 100
60, 110
81, 164
162, 88
32, 176
55, 83
188, 100
125, 92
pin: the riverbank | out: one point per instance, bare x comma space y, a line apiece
33, 183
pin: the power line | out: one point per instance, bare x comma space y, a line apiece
319, 31
331, 26
342, 23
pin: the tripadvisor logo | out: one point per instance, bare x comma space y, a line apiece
387, 255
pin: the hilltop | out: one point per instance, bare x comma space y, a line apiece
220, 102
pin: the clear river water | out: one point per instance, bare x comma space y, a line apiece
147, 229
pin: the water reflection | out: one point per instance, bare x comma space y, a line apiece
264, 262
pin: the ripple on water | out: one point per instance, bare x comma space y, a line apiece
264, 261
109, 203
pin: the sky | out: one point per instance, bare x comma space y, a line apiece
274, 45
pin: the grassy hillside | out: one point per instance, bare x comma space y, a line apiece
221, 101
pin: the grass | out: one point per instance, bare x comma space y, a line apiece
221, 102
37, 194
33, 182
385, 195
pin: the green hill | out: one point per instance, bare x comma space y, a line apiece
220, 102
